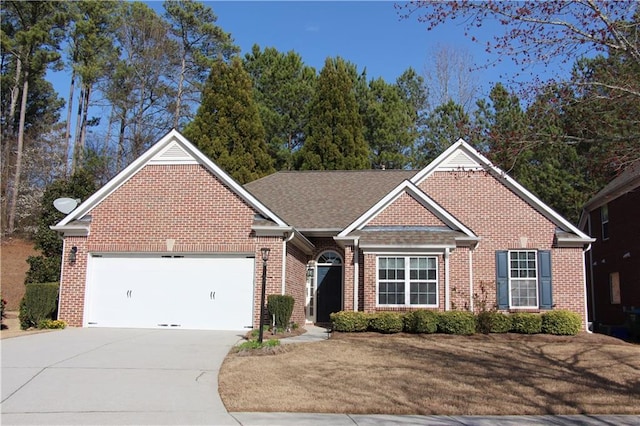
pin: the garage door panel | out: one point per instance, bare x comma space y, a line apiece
184, 292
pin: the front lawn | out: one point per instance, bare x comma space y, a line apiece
497, 374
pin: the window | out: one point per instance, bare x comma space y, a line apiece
604, 219
523, 279
408, 281
614, 288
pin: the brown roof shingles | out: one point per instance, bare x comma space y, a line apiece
325, 199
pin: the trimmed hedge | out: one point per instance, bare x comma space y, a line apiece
281, 307
457, 322
564, 323
493, 322
421, 322
387, 322
40, 302
526, 323
347, 321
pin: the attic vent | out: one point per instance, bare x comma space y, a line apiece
460, 160
174, 153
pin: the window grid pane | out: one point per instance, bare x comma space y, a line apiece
422, 280
523, 281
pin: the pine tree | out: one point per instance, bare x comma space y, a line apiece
335, 138
227, 126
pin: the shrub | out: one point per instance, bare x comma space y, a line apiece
252, 345
456, 322
526, 323
387, 322
347, 321
421, 322
492, 322
561, 322
3, 304
281, 307
40, 302
52, 324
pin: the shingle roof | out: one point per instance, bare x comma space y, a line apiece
326, 200
412, 238
626, 181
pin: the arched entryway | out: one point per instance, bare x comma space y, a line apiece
328, 285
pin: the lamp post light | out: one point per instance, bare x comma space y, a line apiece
265, 256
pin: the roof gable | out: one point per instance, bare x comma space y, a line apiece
461, 153
407, 187
173, 148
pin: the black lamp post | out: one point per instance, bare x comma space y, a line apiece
265, 256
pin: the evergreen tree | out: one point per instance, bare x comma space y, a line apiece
46, 266
227, 126
200, 42
445, 125
335, 138
388, 123
283, 88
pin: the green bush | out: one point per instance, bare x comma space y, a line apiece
493, 322
3, 304
52, 324
526, 323
457, 322
40, 302
565, 323
254, 344
348, 321
421, 322
387, 322
280, 306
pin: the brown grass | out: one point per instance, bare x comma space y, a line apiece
14, 267
439, 375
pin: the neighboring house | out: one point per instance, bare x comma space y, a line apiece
613, 264
173, 241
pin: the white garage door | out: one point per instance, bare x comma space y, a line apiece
208, 293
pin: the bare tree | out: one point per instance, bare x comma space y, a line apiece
449, 76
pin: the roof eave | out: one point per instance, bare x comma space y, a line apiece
71, 230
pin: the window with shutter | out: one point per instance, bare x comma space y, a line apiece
523, 279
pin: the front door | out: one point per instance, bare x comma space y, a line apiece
329, 289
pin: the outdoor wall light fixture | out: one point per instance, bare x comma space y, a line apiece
72, 255
265, 256
309, 272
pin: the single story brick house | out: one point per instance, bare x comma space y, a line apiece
173, 241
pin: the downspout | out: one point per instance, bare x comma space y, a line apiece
285, 240
356, 273
471, 279
446, 280
584, 281
64, 251
592, 285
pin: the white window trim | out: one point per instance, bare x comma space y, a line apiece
537, 279
407, 282
604, 220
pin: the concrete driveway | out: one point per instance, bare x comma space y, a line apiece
115, 376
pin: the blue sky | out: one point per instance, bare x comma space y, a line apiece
369, 34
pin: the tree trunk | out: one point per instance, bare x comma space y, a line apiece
18, 171
176, 117
83, 129
67, 133
74, 157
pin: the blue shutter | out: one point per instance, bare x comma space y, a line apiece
502, 279
544, 279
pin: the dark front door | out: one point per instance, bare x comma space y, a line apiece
329, 293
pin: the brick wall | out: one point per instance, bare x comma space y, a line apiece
169, 208
504, 221
405, 210
296, 279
